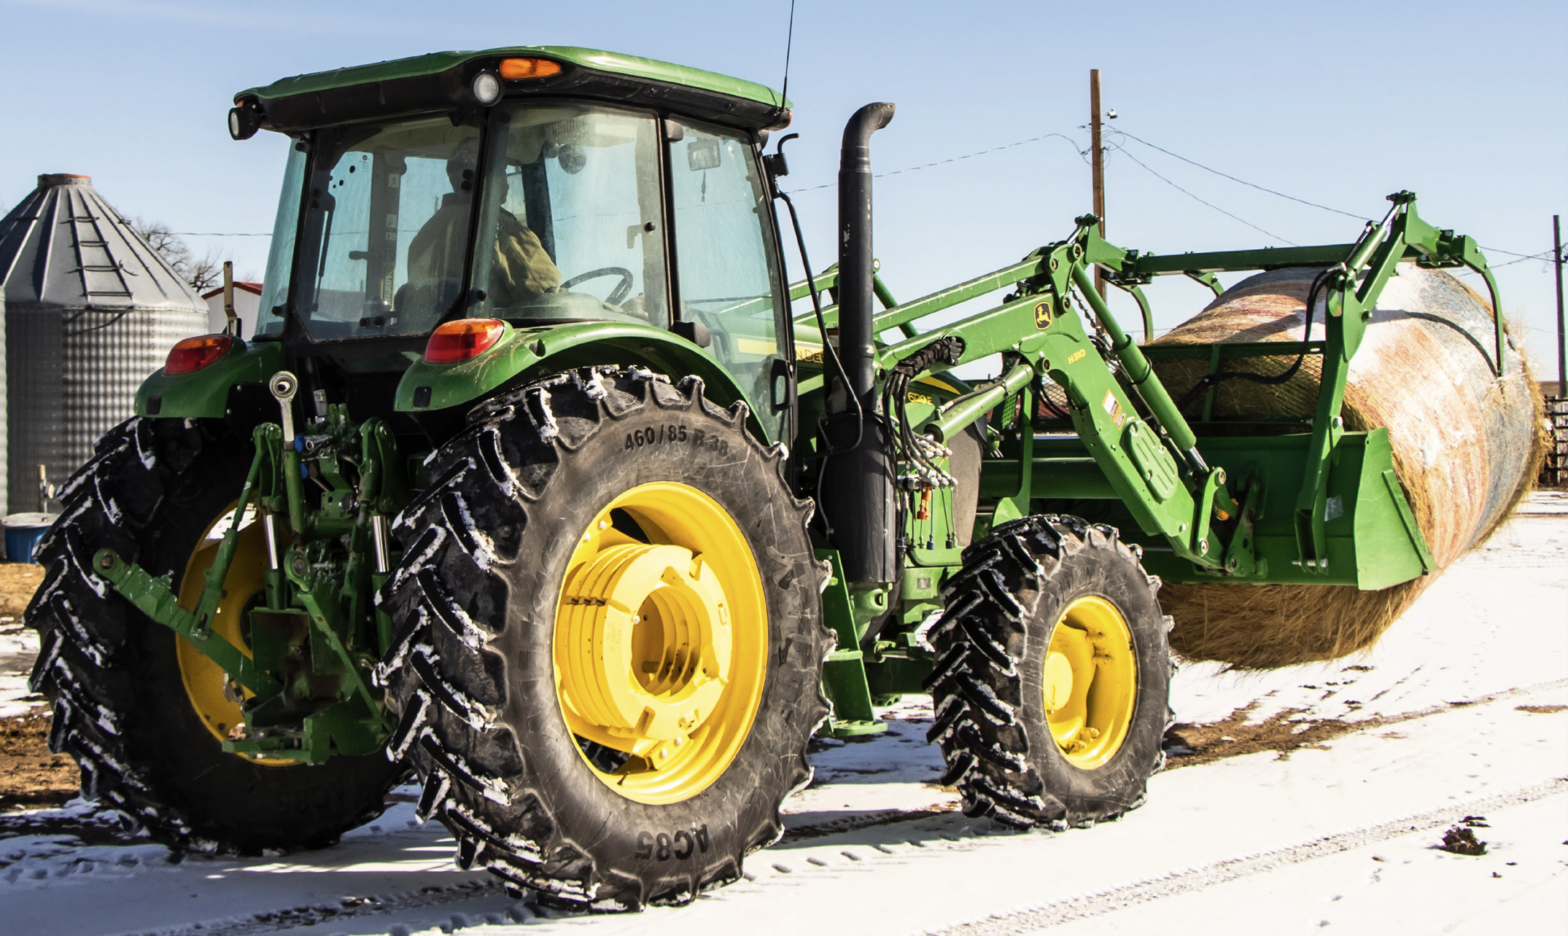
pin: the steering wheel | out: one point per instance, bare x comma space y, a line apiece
618, 294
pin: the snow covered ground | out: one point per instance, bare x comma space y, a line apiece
18, 648
1460, 712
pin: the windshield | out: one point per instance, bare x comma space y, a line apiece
570, 222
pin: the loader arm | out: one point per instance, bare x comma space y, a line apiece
1126, 419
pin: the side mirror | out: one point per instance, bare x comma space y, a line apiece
776, 165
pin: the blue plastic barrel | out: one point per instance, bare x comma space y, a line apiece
22, 533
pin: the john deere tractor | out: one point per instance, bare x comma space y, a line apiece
531, 481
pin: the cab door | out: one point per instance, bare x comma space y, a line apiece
726, 264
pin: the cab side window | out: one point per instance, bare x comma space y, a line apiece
725, 260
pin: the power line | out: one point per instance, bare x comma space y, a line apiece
1543, 255
1227, 175
943, 162
1195, 198
1293, 198
1513, 254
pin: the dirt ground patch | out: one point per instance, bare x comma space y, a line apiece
1189, 745
30, 776
1232, 736
18, 581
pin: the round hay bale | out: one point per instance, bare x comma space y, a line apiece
1466, 445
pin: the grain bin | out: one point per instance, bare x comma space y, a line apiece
90, 310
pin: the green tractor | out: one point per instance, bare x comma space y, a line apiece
531, 481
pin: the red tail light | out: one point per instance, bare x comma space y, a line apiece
193, 354
462, 339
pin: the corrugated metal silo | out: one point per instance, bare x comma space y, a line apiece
5, 435
90, 311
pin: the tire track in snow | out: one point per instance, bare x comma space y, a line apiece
272, 921
1024, 920
1099, 903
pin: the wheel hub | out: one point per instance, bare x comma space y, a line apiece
1090, 682
658, 613
661, 637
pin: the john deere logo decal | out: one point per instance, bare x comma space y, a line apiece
1042, 315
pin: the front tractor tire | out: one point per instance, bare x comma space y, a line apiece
608, 641
1052, 679
142, 712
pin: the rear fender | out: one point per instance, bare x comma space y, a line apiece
204, 394
524, 354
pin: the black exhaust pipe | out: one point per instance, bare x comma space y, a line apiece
858, 482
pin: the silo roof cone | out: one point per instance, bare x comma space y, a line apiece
64, 246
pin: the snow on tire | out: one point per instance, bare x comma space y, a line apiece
1001, 700
478, 603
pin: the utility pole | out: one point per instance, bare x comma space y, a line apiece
1557, 260
1098, 162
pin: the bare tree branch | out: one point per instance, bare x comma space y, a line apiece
202, 273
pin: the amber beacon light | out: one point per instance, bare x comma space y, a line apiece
516, 69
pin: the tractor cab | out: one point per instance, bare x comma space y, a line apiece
533, 187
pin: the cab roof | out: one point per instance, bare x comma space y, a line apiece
426, 82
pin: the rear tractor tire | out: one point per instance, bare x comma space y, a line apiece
1052, 679
608, 647
142, 712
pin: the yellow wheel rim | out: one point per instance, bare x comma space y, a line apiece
661, 646
1091, 682
214, 696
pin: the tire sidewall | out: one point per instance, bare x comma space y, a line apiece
1099, 567
738, 812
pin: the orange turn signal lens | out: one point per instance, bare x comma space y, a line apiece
193, 354
520, 68
462, 339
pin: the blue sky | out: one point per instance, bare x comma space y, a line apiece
1335, 103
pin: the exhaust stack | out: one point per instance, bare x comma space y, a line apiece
858, 483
